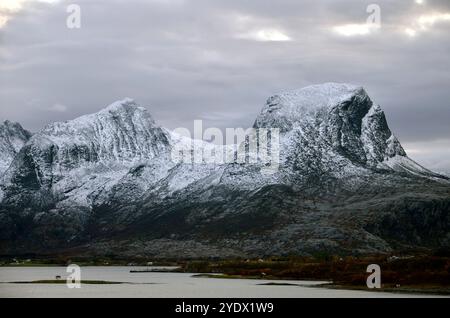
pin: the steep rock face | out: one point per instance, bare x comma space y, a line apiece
12, 138
336, 119
109, 180
334, 131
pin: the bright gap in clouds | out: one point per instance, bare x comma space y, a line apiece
272, 35
425, 22
14, 5
266, 35
9, 7
410, 32
421, 24
355, 29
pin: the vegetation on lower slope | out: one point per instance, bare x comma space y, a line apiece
419, 272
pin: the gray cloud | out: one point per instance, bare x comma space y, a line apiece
186, 60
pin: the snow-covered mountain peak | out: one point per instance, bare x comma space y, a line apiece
334, 120
122, 105
117, 137
319, 96
121, 117
313, 104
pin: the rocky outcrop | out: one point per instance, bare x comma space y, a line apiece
12, 138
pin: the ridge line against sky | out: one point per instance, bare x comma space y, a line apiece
220, 60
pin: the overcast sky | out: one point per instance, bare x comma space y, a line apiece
220, 60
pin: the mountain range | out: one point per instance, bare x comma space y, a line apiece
107, 184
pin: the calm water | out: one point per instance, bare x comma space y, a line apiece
158, 285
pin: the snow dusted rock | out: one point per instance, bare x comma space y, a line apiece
86, 154
67, 165
289, 109
12, 138
110, 180
123, 133
335, 128
338, 119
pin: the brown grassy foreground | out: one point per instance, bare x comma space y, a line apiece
415, 273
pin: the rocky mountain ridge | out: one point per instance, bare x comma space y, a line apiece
107, 182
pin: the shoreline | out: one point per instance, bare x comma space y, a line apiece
416, 290
423, 274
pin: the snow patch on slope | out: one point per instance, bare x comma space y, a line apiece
407, 165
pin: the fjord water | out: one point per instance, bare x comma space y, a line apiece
156, 284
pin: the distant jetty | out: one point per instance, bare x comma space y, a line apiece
157, 270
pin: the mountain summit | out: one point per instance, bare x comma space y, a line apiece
340, 117
335, 127
106, 182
